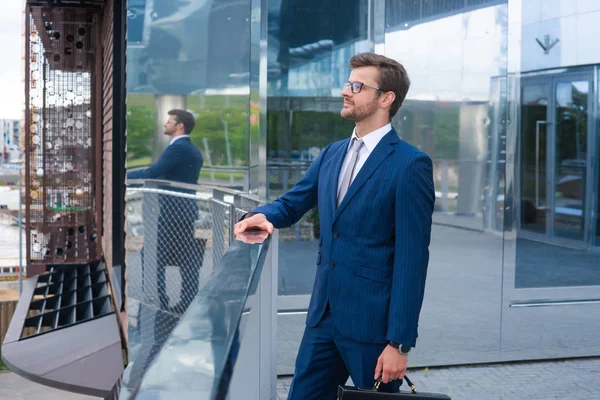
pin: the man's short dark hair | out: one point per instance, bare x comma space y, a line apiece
392, 76
186, 118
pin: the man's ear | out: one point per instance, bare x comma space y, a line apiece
387, 99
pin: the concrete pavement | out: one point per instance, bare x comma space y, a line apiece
13, 387
576, 379
466, 316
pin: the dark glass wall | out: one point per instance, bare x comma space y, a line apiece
309, 46
194, 56
310, 43
455, 112
200, 56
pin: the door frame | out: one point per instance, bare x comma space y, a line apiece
551, 80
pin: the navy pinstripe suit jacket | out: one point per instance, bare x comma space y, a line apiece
373, 252
180, 162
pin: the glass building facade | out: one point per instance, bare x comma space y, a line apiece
504, 99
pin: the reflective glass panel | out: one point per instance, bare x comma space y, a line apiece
196, 61
455, 112
310, 44
534, 158
571, 159
551, 270
596, 182
192, 56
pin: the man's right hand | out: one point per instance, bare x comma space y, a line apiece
257, 221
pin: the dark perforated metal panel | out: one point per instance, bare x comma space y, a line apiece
67, 295
62, 148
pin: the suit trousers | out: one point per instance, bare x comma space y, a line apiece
177, 247
190, 280
326, 359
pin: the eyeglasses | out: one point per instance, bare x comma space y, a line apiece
357, 86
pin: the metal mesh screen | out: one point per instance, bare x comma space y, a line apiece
168, 234
169, 245
62, 152
175, 238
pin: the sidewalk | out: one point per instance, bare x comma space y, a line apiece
13, 387
574, 379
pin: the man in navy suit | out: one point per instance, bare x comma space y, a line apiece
375, 196
180, 162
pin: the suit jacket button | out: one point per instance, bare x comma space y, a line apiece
336, 235
331, 264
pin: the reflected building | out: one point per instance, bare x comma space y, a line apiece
10, 141
503, 98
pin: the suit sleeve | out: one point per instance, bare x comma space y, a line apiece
415, 196
289, 208
167, 161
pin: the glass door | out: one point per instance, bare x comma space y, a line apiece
534, 209
554, 160
571, 164
552, 283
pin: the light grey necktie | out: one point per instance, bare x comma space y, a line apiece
347, 179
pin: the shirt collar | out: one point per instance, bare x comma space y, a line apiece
178, 137
372, 139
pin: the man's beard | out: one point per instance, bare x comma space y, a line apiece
360, 113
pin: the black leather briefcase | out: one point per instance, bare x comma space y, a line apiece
353, 393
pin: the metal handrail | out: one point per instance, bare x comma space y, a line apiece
218, 192
162, 182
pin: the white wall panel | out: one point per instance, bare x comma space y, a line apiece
563, 20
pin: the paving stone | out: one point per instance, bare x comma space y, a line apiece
564, 379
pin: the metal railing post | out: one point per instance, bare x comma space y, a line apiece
20, 230
232, 222
445, 186
218, 230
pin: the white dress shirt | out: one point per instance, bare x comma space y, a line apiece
369, 142
175, 138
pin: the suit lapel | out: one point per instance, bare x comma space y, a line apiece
338, 160
383, 149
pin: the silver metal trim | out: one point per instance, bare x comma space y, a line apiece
547, 303
292, 312
166, 192
159, 182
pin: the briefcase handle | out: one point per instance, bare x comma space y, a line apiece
378, 382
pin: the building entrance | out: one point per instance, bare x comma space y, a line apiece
555, 159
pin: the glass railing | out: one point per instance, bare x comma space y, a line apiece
200, 301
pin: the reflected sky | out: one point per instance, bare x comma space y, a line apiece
439, 69
12, 25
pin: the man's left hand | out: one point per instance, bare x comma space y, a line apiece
252, 237
391, 365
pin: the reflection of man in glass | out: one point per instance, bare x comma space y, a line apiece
177, 246
375, 196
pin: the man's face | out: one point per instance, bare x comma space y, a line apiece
170, 127
359, 106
